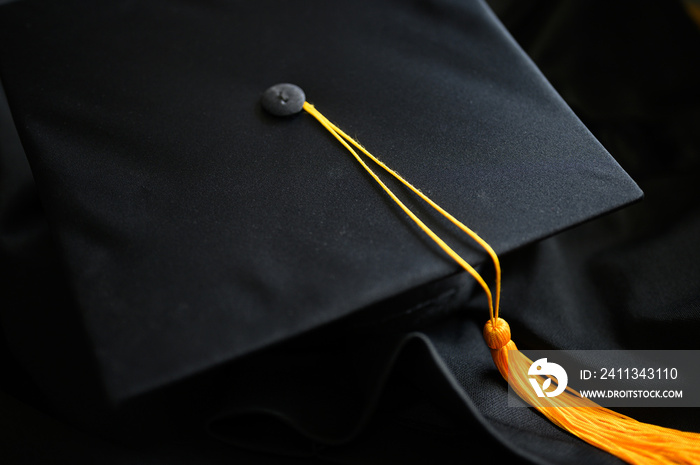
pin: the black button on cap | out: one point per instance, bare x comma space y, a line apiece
283, 99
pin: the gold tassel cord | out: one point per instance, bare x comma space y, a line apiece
620, 435
342, 137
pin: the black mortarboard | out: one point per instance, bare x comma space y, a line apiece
195, 229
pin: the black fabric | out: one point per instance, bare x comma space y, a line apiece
154, 164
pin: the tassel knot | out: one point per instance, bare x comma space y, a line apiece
496, 333
497, 336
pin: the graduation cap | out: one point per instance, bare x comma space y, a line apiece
196, 230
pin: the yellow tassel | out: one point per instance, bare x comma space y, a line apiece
625, 437
628, 439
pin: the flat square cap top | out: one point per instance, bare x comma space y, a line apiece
197, 228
